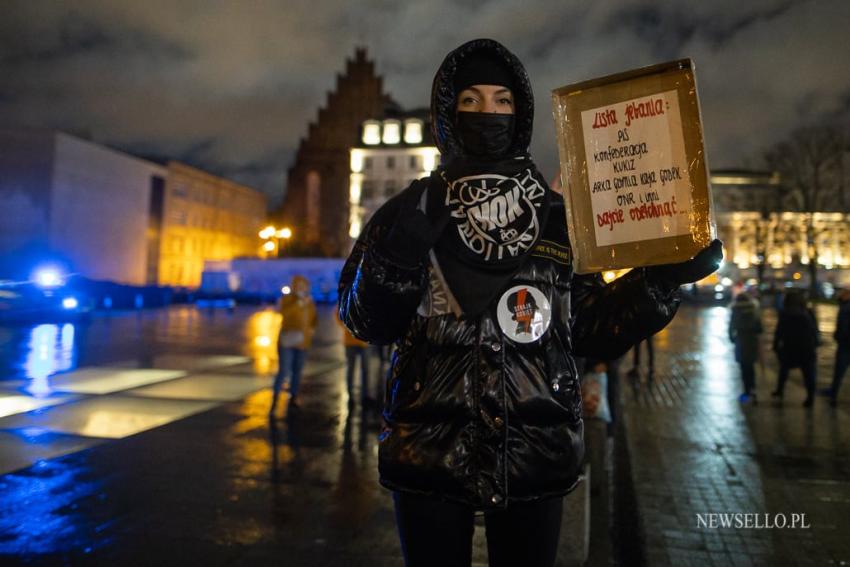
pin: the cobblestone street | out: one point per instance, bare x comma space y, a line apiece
153, 447
695, 449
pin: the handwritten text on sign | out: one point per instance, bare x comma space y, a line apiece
637, 169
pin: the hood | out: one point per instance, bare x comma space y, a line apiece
443, 98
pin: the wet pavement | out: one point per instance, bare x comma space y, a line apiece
696, 450
153, 447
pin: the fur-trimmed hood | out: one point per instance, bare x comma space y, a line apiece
443, 98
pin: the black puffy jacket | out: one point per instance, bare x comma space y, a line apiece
471, 415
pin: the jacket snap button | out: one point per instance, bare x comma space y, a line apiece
496, 499
416, 386
496, 347
499, 422
556, 386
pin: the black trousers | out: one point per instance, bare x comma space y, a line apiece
436, 533
748, 376
809, 369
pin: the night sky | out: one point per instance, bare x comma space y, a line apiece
231, 86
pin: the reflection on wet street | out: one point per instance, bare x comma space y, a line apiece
146, 439
696, 449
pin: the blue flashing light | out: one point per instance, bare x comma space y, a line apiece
70, 303
48, 277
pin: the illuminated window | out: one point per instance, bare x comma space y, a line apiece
356, 161
355, 222
355, 192
412, 131
429, 160
372, 132
392, 132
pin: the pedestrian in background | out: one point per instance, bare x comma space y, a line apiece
297, 327
744, 330
842, 352
795, 343
355, 350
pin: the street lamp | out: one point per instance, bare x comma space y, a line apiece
273, 236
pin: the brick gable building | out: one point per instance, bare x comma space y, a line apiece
317, 198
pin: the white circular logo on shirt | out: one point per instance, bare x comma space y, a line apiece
524, 313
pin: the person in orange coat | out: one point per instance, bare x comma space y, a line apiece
354, 349
297, 327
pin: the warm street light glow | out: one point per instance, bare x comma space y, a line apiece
267, 232
285, 232
268, 246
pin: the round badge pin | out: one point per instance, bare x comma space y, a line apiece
524, 313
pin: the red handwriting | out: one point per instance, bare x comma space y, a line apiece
653, 210
605, 118
645, 109
610, 218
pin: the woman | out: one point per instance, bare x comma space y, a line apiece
297, 326
744, 330
795, 343
483, 409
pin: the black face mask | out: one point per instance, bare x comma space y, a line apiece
485, 134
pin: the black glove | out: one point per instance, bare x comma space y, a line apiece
413, 233
706, 262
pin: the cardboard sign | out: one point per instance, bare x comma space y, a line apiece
633, 168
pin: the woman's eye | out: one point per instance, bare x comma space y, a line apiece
468, 100
506, 101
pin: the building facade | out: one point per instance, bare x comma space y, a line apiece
71, 201
765, 242
391, 154
110, 216
317, 190
202, 217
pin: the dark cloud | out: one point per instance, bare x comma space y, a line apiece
231, 86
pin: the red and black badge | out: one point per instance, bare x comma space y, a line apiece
524, 313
